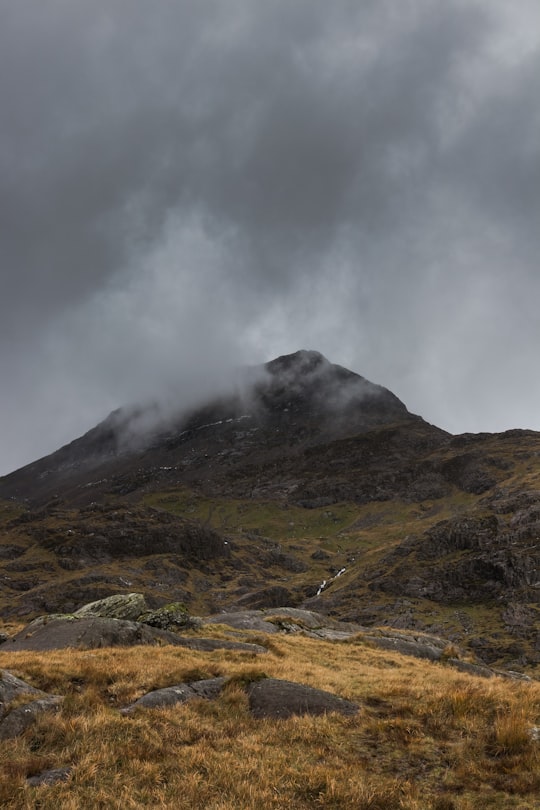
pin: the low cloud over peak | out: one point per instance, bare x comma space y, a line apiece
193, 187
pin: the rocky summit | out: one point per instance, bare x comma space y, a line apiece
303, 486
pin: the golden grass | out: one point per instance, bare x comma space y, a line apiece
426, 738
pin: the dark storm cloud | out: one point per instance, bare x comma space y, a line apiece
189, 186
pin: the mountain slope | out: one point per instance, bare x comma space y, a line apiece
304, 485
291, 403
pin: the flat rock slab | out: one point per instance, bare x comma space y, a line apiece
18, 720
406, 647
279, 699
270, 620
311, 620
243, 620
179, 693
96, 632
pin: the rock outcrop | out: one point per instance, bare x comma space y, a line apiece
95, 632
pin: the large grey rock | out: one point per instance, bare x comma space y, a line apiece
11, 687
168, 696
18, 720
271, 697
95, 632
88, 633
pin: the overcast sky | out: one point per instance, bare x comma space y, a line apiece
189, 185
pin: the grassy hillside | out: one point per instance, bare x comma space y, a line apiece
426, 737
402, 562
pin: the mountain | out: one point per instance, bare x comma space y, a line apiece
303, 485
295, 401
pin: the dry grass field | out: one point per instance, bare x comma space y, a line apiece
426, 737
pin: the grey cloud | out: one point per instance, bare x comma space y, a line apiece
191, 186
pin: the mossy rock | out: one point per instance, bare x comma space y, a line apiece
120, 606
173, 616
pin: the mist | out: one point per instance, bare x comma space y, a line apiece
190, 188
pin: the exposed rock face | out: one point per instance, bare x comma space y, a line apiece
407, 646
472, 559
138, 533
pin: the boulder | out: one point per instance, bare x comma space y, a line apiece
168, 696
87, 633
120, 606
208, 689
95, 632
174, 616
11, 687
279, 699
18, 720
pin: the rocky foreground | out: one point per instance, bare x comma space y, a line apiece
125, 620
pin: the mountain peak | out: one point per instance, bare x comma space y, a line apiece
301, 361
307, 382
297, 400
